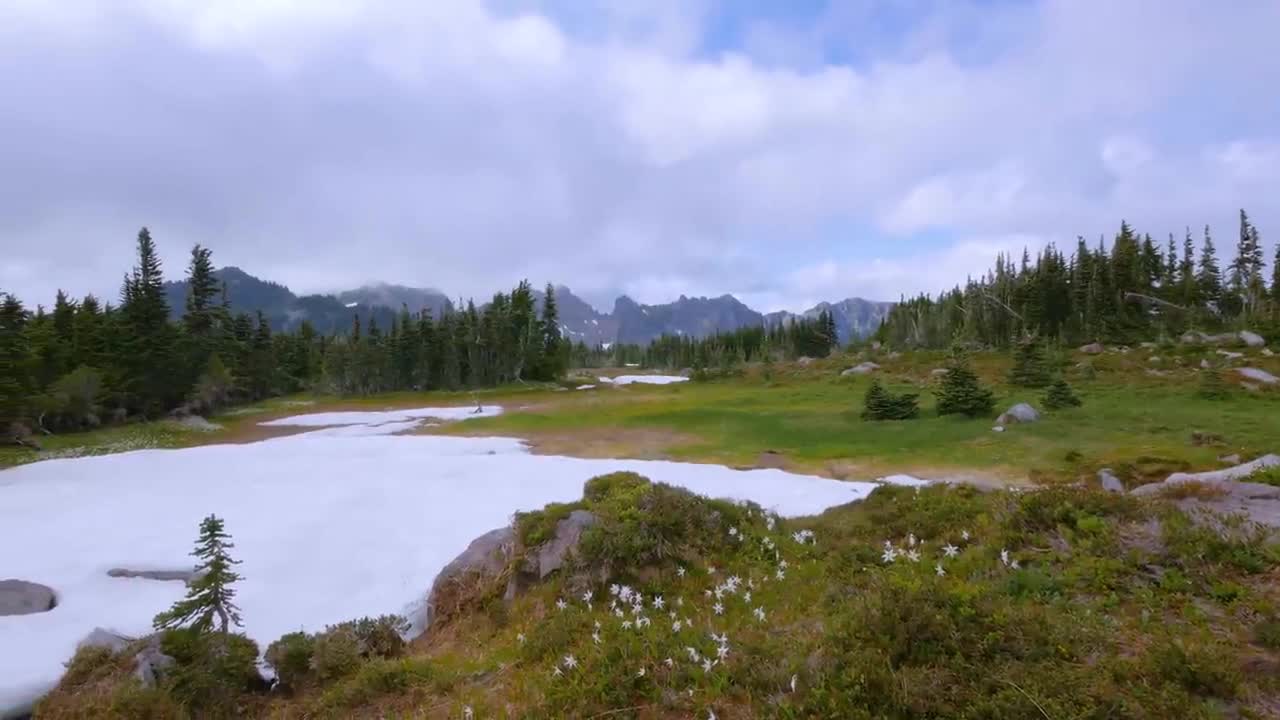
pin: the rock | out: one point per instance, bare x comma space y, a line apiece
185, 576
875, 344
1230, 355
553, 553
1257, 375
1156, 373
103, 638
771, 459
1193, 337
804, 361
894, 355
148, 663
484, 560
1266, 352
1232, 459
197, 423
1204, 364
1237, 472
1020, 413
998, 428
1251, 339
1154, 359
19, 597
1092, 349
1148, 345
938, 372
1109, 481
861, 369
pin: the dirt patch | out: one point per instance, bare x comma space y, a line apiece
607, 443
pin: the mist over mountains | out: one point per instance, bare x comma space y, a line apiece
628, 322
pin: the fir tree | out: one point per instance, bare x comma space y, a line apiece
1209, 279
1212, 386
208, 605
149, 358
961, 393
1030, 366
880, 404
15, 359
1060, 396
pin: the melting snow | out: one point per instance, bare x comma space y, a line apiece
331, 525
644, 379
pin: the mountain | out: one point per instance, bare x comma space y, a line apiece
855, 317
397, 296
327, 313
694, 317
629, 322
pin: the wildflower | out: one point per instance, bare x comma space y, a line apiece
1014, 564
561, 604
669, 662
751, 584
732, 583
570, 661
679, 602
643, 622
1004, 557
718, 609
556, 672
783, 564
722, 639
706, 593
722, 652
711, 714
672, 615
595, 638
793, 683
659, 603
759, 613
520, 638
913, 555
711, 570
950, 550
597, 625
467, 713
587, 596
706, 665
675, 626
719, 592
640, 673
680, 571
733, 531
889, 555
964, 535
613, 590
938, 569
781, 574
626, 624
888, 545
911, 540
693, 654
798, 537
618, 612
746, 597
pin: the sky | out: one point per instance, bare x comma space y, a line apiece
784, 152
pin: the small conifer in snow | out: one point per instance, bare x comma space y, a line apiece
209, 594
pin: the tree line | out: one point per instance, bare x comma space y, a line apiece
86, 362
1133, 290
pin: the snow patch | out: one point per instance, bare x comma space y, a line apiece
331, 525
645, 379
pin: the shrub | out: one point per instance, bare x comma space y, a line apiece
961, 393
1030, 366
1212, 386
211, 671
335, 653
880, 404
1267, 633
1060, 396
290, 656
1202, 668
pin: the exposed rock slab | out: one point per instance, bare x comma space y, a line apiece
1257, 375
1020, 413
21, 597
861, 369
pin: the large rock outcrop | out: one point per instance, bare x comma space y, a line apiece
149, 663
1020, 413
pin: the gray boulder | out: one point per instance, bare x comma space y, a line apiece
1020, 413
1266, 352
861, 369
804, 361
1258, 375
148, 663
1251, 339
553, 553
938, 372
1109, 481
1092, 349
20, 597
1230, 355
482, 561
1237, 472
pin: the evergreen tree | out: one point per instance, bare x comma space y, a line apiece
1212, 385
1209, 279
208, 605
554, 349
880, 404
1060, 396
1188, 296
149, 358
961, 393
1030, 366
15, 361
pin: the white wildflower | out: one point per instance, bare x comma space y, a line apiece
793, 682
913, 555
614, 589
468, 713
1014, 564
911, 540
783, 564
1004, 557
733, 532
626, 624
759, 613
669, 663
640, 672
706, 665
680, 571
561, 604
722, 651
556, 671
679, 602
964, 535
570, 661
595, 638
781, 574
618, 612
889, 555
587, 597
711, 569
938, 569
950, 550
675, 626
659, 603
693, 654
798, 536
520, 638
718, 609
746, 597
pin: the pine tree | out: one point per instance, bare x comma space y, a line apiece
1030, 366
148, 359
209, 595
1212, 386
961, 393
1188, 296
1209, 279
1060, 396
554, 357
15, 360
880, 404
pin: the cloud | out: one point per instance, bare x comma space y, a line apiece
873, 149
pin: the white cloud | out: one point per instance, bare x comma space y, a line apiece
465, 145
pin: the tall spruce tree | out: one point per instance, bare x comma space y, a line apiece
15, 366
1209, 279
149, 369
961, 393
209, 604
1030, 364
